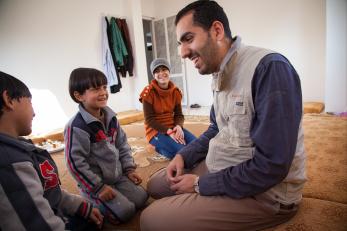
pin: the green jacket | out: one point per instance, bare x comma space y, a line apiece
118, 45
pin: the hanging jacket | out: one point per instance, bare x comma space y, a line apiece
107, 61
116, 87
118, 44
129, 60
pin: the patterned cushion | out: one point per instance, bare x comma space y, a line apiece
313, 107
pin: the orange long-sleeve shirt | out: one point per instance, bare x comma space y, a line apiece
162, 108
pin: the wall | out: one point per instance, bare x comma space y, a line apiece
336, 82
294, 28
148, 8
42, 41
135, 8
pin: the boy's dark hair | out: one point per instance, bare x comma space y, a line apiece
205, 12
81, 79
15, 88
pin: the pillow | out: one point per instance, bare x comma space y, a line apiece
313, 107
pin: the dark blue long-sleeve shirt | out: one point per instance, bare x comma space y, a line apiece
277, 99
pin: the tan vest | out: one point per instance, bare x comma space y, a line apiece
234, 110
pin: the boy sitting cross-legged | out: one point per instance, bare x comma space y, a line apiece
30, 194
97, 152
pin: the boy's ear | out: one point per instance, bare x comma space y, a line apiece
8, 102
78, 96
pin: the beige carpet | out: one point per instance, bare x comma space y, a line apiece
325, 194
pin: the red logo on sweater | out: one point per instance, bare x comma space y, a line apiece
47, 172
100, 136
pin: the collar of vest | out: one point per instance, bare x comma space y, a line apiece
218, 76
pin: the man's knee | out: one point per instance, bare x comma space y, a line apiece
153, 187
149, 220
146, 219
156, 185
159, 216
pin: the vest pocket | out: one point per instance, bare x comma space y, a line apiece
238, 122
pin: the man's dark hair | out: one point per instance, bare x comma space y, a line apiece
205, 12
15, 88
81, 79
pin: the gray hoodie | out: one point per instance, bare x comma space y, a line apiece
96, 154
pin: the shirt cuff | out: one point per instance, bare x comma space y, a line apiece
129, 170
211, 184
98, 188
84, 210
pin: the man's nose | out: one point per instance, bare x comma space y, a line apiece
184, 51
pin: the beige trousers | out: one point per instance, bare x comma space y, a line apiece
193, 212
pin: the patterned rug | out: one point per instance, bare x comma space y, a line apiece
324, 205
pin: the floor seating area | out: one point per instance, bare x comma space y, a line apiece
324, 205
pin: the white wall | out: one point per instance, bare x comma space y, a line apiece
336, 82
42, 41
148, 8
294, 28
139, 53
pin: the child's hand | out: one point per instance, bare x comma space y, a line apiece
107, 193
96, 217
134, 177
179, 134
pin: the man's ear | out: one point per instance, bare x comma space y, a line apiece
218, 30
78, 96
8, 102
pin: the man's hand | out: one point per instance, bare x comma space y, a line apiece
134, 177
107, 193
179, 134
175, 168
184, 184
96, 217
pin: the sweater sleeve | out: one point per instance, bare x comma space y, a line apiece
149, 115
73, 204
178, 115
23, 205
77, 149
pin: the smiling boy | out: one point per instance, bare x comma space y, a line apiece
97, 152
